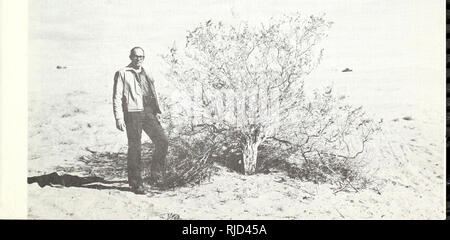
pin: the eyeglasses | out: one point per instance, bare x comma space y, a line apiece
138, 57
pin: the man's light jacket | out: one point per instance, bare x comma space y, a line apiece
134, 92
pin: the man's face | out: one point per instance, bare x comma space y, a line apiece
137, 57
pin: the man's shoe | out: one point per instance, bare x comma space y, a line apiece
138, 190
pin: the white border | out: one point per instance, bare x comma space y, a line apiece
13, 109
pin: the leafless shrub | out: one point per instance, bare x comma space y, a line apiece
243, 80
321, 136
189, 159
189, 162
329, 139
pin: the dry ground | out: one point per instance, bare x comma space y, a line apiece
408, 157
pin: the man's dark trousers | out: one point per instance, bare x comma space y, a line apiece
136, 122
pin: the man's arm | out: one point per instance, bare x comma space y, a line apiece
117, 101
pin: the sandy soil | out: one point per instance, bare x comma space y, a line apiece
409, 157
394, 52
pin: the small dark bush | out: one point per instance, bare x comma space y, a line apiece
188, 162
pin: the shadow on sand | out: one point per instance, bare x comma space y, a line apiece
97, 166
68, 180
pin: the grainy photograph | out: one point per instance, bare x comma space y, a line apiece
226, 109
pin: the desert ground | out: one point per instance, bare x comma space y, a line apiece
71, 122
67, 126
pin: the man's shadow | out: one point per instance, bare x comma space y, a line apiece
68, 180
102, 164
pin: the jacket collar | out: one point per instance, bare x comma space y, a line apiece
129, 68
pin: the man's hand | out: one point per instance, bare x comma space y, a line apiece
120, 124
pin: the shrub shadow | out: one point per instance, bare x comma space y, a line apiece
271, 157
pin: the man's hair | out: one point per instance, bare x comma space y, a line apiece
132, 50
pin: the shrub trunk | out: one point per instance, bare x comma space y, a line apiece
249, 155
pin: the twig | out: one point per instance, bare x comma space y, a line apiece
339, 212
281, 140
89, 150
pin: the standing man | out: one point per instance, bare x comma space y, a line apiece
135, 107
